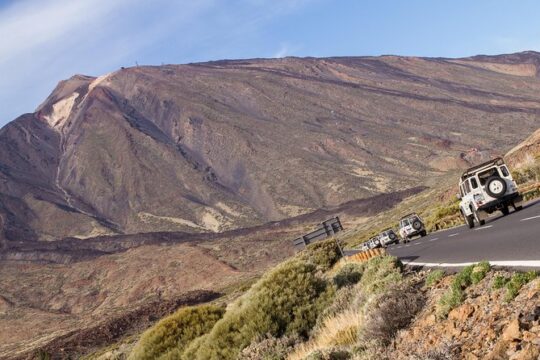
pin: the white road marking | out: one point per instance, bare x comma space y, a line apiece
417, 243
530, 218
510, 263
399, 247
434, 239
453, 234
407, 245
484, 227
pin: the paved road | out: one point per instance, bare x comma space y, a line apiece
510, 241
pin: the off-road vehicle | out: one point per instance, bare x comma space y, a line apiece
411, 225
388, 237
374, 242
486, 188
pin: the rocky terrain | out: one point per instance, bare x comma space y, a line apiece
214, 146
485, 326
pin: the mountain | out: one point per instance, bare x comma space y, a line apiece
222, 145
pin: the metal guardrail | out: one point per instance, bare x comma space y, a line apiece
328, 228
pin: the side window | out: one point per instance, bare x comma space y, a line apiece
474, 183
467, 187
504, 171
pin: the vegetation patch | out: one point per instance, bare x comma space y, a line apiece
341, 325
269, 348
516, 283
444, 216
169, 337
499, 282
324, 254
455, 295
348, 275
391, 311
434, 277
286, 301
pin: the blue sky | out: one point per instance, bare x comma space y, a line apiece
45, 41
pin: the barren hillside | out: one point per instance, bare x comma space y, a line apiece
214, 146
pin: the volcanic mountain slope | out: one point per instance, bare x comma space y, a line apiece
228, 144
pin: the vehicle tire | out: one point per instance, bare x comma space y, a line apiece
480, 222
505, 210
417, 225
423, 233
496, 187
469, 220
518, 208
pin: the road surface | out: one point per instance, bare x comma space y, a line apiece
506, 241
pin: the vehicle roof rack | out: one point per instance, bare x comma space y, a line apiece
497, 161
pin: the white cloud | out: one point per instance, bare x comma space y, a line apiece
45, 41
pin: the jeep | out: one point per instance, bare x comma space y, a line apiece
486, 188
374, 242
388, 237
411, 225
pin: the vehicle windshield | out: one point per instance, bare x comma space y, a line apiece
484, 175
405, 222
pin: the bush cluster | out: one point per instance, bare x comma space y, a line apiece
379, 274
169, 337
499, 282
452, 298
286, 301
391, 311
324, 254
529, 173
348, 275
516, 282
269, 348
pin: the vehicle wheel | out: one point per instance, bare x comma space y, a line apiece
505, 210
496, 187
423, 233
480, 222
518, 208
469, 220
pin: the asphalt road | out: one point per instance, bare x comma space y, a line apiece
505, 241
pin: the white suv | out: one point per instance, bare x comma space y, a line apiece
388, 237
411, 225
486, 188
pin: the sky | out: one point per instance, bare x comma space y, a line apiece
45, 41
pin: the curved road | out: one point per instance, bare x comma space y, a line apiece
505, 241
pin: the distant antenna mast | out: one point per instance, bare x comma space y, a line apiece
136, 64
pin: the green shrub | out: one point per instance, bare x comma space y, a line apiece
285, 301
269, 348
456, 294
480, 271
174, 332
348, 275
499, 282
324, 254
516, 283
434, 277
449, 300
